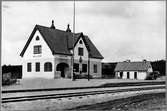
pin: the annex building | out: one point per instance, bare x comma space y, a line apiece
133, 70
48, 54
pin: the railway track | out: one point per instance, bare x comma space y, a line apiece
76, 94
123, 84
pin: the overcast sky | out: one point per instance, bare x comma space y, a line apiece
120, 30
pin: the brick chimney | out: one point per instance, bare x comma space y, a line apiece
52, 26
68, 28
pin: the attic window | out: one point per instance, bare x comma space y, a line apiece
80, 41
37, 49
37, 38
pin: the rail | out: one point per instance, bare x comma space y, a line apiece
65, 95
121, 84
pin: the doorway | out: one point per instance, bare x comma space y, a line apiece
121, 75
64, 69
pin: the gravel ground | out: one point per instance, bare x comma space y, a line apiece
146, 102
40, 83
72, 103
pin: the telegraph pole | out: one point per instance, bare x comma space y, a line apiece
72, 65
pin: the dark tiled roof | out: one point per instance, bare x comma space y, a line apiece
60, 42
132, 66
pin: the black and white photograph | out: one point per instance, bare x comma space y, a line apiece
83, 55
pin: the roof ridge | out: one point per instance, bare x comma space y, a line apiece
50, 28
58, 29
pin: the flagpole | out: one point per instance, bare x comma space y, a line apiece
72, 71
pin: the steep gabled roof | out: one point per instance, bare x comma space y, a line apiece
60, 42
132, 66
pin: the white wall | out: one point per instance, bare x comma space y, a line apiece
46, 52
85, 53
45, 56
58, 56
41, 73
99, 67
140, 74
131, 73
124, 75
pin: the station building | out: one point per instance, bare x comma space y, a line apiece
48, 54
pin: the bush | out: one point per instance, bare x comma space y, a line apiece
153, 76
7, 79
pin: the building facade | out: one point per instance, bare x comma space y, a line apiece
133, 70
48, 54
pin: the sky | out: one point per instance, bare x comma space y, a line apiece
121, 30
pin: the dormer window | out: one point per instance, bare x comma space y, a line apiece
80, 41
37, 49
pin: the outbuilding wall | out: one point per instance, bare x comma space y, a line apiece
140, 75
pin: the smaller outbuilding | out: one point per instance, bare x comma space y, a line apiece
133, 70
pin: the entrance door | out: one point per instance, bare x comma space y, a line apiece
64, 69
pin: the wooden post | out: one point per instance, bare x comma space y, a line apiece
72, 65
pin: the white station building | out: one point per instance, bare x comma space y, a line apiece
48, 54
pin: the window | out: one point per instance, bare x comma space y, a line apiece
48, 66
135, 75
76, 67
95, 68
37, 38
80, 51
37, 64
37, 49
80, 41
28, 67
84, 67
127, 75
121, 75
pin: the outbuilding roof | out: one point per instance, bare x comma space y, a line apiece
61, 42
133, 66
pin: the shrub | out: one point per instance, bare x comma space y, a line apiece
7, 79
153, 76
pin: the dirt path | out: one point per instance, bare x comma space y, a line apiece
146, 102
